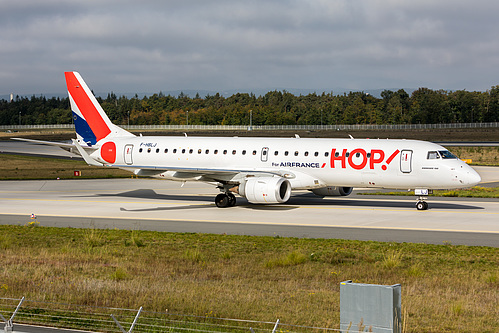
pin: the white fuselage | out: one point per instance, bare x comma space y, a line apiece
306, 163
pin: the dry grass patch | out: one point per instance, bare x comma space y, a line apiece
478, 155
444, 288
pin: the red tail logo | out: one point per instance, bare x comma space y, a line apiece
86, 106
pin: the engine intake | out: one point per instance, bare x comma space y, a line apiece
266, 190
333, 191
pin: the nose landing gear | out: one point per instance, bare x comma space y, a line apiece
422, 193
421, 205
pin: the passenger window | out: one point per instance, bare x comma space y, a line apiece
286, 153
336, 154
140, 150
306, 153
225, 152
175, 150
199, 151
316, 154
207, 151
244, 152
149, 150
183, 151
276, 153
215, 151
166, 150
190, 151
326, 154
347, 154
233, 152
254, 152
296, 153
432, 155
157, 150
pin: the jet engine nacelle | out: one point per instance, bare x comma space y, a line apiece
266, 190
333, 191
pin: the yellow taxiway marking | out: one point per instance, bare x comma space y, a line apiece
110, 191
92, 201
402, 208
256, 222
148, 202
263, 223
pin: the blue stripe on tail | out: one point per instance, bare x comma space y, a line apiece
83, 130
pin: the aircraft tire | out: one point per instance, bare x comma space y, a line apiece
232, 199
422, 205
222, 200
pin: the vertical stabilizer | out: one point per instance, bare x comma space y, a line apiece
91, 122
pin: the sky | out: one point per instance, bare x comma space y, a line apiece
150, 46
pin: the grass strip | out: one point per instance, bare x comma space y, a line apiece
18, 167
474, 192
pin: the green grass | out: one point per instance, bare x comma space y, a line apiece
474, 192
444, 287
16, 167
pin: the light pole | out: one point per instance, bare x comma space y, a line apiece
187, 117
251, 120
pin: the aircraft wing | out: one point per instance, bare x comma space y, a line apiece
203, 174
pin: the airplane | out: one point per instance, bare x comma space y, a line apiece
263, 170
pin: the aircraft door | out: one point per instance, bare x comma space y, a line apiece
265, 154
406, 161
128, 154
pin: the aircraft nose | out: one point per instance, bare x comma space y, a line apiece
473, 177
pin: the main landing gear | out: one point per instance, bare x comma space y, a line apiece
422, 193
225, 200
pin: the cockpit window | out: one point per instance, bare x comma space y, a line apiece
447, 155
433, 155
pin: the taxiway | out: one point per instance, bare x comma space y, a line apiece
148, 204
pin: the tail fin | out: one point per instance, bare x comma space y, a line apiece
91, 122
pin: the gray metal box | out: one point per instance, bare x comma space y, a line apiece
373, 308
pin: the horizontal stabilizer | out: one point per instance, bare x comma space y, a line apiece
85, 155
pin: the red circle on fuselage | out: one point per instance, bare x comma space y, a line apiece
108, 152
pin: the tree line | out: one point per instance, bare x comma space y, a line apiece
424, 106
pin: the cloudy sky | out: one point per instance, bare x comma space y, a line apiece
151, 46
